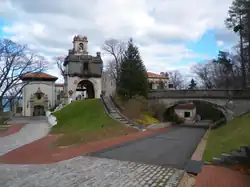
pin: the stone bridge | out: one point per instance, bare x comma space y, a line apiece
231, 102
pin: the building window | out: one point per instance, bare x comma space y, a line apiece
186, 114
170, 86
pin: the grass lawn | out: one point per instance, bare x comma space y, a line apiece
228, 138
86, 121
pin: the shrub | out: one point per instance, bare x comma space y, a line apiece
135, 107
147, 120
157, 110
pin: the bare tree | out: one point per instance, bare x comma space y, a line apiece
115, 48
176, 78
15, 61
59, 62
219, 73
204, 73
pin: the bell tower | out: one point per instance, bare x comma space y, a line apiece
80, 45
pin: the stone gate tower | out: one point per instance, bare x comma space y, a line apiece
84, 71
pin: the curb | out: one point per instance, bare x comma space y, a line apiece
189, 180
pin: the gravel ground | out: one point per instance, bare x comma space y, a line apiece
88, 171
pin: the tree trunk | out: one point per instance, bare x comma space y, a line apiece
243, 66
1, 106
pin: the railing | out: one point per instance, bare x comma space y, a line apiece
104, 103
232, 94
120, 112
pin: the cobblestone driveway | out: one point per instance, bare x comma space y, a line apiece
88, 171
35, 129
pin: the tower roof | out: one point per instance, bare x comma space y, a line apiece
80, 38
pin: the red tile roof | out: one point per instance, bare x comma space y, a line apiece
187, 106
59, 85
156, 76
39, 75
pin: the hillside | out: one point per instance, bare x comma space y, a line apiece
228, 138
85, 121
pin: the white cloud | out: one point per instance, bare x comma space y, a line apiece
160, 27
220, 43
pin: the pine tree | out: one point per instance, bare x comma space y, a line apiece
133, 74
239, 21
192, 84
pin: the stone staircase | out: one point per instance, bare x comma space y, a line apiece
114, 113
241, 155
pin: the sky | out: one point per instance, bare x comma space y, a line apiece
170, 34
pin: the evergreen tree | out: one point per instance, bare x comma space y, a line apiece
239, 21
133, 74
192, 84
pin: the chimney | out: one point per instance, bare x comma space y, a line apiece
98, 53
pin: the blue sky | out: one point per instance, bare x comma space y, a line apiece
2, 24
206, 45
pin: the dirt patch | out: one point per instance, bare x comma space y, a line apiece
40, 151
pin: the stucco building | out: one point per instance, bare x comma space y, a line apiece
186, 111
157, 81
39, 94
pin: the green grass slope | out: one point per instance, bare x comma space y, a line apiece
85, 115
85, 121
228, 138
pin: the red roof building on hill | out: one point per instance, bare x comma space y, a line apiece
158, 81
156, 76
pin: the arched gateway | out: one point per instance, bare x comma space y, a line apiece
85, 89
84, 71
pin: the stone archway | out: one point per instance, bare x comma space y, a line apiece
86, 87
227, 112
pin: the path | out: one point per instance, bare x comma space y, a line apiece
88, 171
215, 176
171, 149
34, 129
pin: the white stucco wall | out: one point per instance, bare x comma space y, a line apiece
73, 81
155, 86
108, 84
181, 113
47, 87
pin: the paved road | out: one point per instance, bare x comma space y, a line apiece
88, 171
170, 149
34, 129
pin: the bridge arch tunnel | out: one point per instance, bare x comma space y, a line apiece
206, 109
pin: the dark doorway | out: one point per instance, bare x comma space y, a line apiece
39, 110
89, 87
187, 114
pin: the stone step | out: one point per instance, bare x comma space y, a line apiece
116, 115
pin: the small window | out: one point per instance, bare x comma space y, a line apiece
170, 85
186, 114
